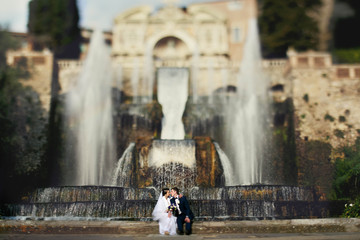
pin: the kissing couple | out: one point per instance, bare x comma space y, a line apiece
172, 210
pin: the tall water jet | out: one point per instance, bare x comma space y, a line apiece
172, 95
248, 113
89, 106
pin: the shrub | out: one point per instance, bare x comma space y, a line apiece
347, 173
339, 133
347, 55
352, 210
306, 97
342, 119
329, 117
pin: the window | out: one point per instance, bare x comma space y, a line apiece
236, 35
235, 5
319, 61
303, 61
357, 72
343, 72
38, 60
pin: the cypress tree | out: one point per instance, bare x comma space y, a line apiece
54, 24
285, 24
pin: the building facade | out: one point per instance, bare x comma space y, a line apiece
208, 39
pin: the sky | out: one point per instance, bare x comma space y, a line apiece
93, 13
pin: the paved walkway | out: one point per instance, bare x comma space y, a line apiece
331, 228
272, 236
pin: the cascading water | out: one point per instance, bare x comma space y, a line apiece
166, 151
247, 114
226, 164
120, 176
89, 106
172, 95
174, 163
191, 165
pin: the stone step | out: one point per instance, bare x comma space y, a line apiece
199, 227
209, 210
103, 193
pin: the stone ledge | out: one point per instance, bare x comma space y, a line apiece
145, 228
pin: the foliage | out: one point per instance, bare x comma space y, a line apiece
6, 43
21, 126
352, 210
347, 173
306, 97
351, 55
315, 165
342, 119
54, 24
329, 117
346, 43
285, 158
51, 168
285, 24
344, 36
338, 133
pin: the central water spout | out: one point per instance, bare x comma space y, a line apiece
172, 95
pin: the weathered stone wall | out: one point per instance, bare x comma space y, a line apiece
326, 98
41, 67
326, 101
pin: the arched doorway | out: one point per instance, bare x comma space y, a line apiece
171, 51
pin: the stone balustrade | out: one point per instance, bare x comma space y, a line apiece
38, 59
347, 71
66, 64
275, 63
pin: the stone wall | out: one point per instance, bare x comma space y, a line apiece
40, 66
326, 98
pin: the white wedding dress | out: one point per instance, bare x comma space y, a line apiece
166, 223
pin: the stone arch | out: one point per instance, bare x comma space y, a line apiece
184, 37
171, 48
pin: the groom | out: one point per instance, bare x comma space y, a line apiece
185, 214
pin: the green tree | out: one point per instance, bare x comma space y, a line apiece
6, 43
54, 24
346, 44
347, 173
344, 37
22, 126
285, 24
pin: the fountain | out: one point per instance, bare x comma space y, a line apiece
247, 115
172, 95
224, 180
89, 110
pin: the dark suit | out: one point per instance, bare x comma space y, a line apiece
185, 212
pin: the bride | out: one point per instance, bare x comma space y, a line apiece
161, 213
